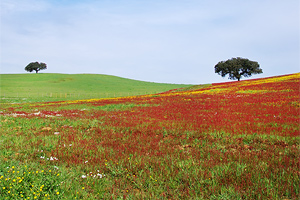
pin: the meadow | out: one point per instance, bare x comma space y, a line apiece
21, 88
234, 140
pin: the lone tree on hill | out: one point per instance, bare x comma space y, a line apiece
237, 67
35, 66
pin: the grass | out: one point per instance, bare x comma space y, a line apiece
214, 142
29, 181
55, 87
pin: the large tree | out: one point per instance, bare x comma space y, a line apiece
35, 66
237, 67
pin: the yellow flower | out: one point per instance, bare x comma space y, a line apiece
57, 192
83, 188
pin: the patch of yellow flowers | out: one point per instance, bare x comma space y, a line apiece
26, 184
214, 89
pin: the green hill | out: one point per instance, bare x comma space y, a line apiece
55, 87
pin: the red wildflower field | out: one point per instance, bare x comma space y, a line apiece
236, 140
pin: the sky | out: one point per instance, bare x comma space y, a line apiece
166, 41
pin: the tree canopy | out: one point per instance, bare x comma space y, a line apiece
237, 67
35, 66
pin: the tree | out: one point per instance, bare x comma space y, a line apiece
35, 66
237, 67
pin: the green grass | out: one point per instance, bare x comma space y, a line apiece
191, 88
30, 181
16, 88
141, 148
26, 168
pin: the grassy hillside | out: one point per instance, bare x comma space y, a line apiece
235, 140
53, 87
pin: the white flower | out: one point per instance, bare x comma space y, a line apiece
42, 157
51, 158
56, 133
100, 175
83, 176
37, 113
86, 161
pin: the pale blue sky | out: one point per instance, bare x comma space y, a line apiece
174, 41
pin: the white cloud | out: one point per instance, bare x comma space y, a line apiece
163, 41
9, 7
